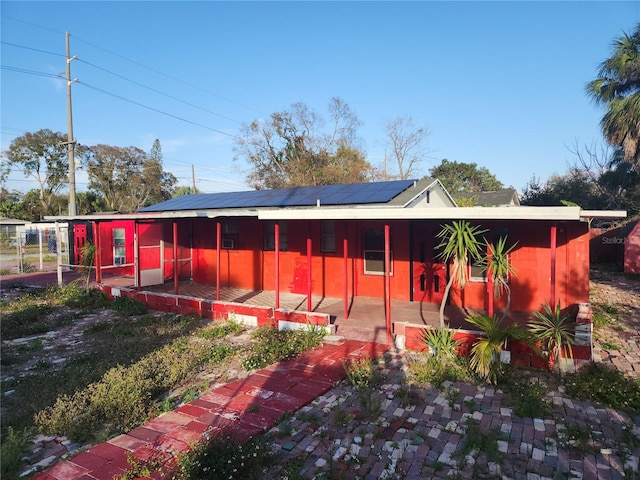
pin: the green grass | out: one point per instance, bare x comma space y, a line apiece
606, 386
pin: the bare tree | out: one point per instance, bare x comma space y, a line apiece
406, 144
293, 148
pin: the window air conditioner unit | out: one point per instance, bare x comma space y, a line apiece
118, 261
227, 243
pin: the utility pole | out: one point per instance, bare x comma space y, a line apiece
70, 141
193, 178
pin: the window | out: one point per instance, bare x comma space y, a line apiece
374, 252
476, 273
230, 235
119, 249
328, 236
269, 236
476, 266
374, 262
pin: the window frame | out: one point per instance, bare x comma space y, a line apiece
328, 236
269, 241
119, 246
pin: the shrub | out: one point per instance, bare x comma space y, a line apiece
225, 457
271, 345
554, 332
128, 306
13, 448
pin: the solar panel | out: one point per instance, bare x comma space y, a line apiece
348, 194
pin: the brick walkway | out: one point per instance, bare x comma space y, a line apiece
246, 407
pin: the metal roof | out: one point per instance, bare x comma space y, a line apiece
349, 194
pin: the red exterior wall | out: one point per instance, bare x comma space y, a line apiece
249, 266
106, 245
531, 259
632, 251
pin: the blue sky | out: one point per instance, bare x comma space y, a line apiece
500, 84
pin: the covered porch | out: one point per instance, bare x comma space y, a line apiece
366, 315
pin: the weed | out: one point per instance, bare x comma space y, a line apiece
526, 397
225, 457
220, 330
219, 352
607, 386
342, 417
311, 417
370, 405
128, 306
610, 345
271, 345
424, 370
480, 442
362, 373
14, 446
575, 437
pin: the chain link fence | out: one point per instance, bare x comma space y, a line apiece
34, 248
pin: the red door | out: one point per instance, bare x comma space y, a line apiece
430, 277
79, 241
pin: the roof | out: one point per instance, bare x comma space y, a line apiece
347, 194
497, 198
12, 221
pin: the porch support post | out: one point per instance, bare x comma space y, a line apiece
309, 282
554, 252
136, 253
490, 283
175, 257
96, 257
345, 250
277, 249
387, 281
218, 258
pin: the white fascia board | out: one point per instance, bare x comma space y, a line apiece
446, 213
603, 214
162, 215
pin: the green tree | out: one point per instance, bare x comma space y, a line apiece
185, 190
618, 88
292, 148
465, 177
575, 186
405, 142
161, 188
459, 243
125, 178
41, 155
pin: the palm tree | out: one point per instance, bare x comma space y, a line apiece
458, 243
500, 269
618, 87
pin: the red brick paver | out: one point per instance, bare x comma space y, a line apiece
245, 407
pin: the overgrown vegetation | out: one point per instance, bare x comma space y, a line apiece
225, 457
271, 345
606, 386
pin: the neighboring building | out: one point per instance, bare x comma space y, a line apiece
632, 251
608, 245
507, 197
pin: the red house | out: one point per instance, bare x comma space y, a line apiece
372, 244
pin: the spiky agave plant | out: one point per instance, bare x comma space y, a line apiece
485, 353
554, 331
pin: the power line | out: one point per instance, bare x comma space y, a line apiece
157, 91
155, 109
30, 72
169, 76
31, 48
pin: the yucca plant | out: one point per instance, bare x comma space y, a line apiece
458, 242
555, 333
441, 342
485, 353
497, 265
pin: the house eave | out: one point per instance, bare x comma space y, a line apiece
460, 213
